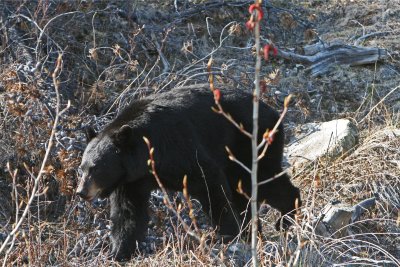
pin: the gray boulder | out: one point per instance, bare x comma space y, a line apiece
315, 140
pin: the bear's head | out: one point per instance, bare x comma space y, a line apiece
102, 168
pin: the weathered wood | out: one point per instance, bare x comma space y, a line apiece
338, 54
310, 50
361, 207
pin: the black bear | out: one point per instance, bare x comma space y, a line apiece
189, 139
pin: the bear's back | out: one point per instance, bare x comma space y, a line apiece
193, 107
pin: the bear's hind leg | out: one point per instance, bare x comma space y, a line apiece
212, 190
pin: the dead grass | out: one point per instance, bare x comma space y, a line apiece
61, 230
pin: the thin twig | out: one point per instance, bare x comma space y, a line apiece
272, 178
161, 54
377, 104
269, 135
228, 116
234, 159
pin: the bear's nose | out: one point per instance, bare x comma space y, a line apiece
82, 192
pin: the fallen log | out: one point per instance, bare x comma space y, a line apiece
337, 54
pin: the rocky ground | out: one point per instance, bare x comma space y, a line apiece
115, 51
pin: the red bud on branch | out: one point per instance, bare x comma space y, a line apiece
217, 95
250, 24
275, 51
267, 48
269, 136
257, 7
266, 51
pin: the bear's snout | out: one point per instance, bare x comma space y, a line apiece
87, 189
82, 192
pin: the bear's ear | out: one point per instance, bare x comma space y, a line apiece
123, 135
90, 133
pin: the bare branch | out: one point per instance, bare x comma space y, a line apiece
254, 151
234, 159
269, 135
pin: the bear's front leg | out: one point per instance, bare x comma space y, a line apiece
129, 203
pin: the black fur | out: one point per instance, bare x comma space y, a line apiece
189, 139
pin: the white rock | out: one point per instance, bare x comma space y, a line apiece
315, 140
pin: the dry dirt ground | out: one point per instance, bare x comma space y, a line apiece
115, 51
